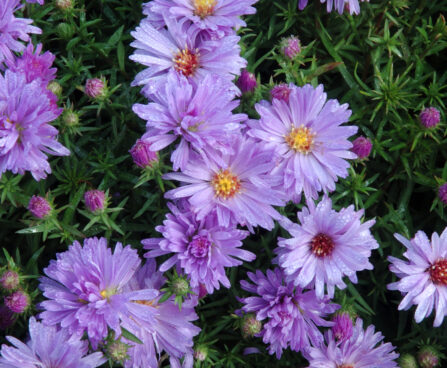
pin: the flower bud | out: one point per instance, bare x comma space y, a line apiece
65, 31
247, 81
56, 88
250, 325
200, 353
95, 200
117, 350
39, 207
17, 302
64, 5
9, 280
428, 357
281, 92
180, 286
442, 192
407, 361
291, 47
430, 117
362, 147
70, 118
342, 328
95, 88
142, 155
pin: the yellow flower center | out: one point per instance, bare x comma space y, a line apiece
107, 293
300, 139
225, 184
186, 62
204, 7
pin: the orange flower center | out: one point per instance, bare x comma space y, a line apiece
225, 184
300, 139
322, 245
203, 8
438, 272
186, 62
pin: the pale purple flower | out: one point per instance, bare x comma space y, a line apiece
142, 154
423, 277
162, 327
95, 87
362, 350
361, 147
247, 81
292, 315
181, 111
179, 48
325, 247
17, 302
311, 144
442, 192
203, 249
282, 92
237, 186
95, 200
40, 2
85, 288
338, 5
430, 117
25, 135
13, 29
291, 46
48, 347
39, 206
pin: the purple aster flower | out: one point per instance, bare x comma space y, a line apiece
25, 134
215, 15
238, 186
362, 147
291, 46
180, 110
423, 278
17, 302
311, 143
160, 326
282, 92
85, 289
13, 29
180, 49
442, 192
342, 328
360, 351
48, 348
326, 246
247, 81
39, 207
95, 200
201, 248
142, 154
430, 117
292, 315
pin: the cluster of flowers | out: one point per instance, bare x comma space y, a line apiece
27, 105
16, 300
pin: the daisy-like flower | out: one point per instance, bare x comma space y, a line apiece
180, 49
48, 347
85, 289
311, 143
292, 315
238, 186
212, 15
162, 327
423, 277
326, 246
25, 135
201, 248
181, 111
13, 29
352, 6
361, 350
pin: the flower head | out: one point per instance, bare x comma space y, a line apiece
442, 192
342, 328
430, 117
9, 280
95, 88
309, 140
325, 247
180, 110
48, 347
361, 350
423, 278
238, 186
281, 92
407, 361
95, 200
25, 132
18, 301
428, 357
39, 207
292, 315
247, 81
291, 46
362, 147
142, 154
202, 248
85, 288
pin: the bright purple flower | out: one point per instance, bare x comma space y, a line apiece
423, 278
48, 348
13, 29
160, 326
85, 288
9, 280
180, 49
430, 117
237, 186
247, 81
39, 206
95, 87
361, 147
342, 328
7, 317
326, 246
17, 302
282, 92
293, 315
360, 351
95, 200
338, 5
203, 249
25, 134
310, 142
181, 111
291, 46
442, 192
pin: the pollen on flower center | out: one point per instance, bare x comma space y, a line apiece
199, 246
300, 139
107, 293
322, 245
149, 303
438, 272
345, 366
186, 62
204, 8
225, 184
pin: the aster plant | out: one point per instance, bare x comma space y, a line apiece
423, 276
326, 246
291, 315
311, 145
203, 249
